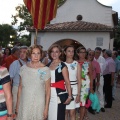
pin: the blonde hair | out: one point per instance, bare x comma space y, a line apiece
50, 50
30, 49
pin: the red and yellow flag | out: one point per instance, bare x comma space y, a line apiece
42, 11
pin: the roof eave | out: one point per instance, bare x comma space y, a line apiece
33, 30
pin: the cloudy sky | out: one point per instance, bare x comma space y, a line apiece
7, 8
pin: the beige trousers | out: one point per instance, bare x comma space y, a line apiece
14, 93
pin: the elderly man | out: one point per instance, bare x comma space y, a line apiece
108, 75
14, 73
101, 62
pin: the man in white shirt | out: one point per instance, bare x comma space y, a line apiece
101, 61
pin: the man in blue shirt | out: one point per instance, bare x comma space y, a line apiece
14, 73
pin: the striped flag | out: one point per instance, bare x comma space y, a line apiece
42, 11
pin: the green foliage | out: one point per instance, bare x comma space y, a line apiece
61, 2
25, 40
7, 34
26, 21
24, 15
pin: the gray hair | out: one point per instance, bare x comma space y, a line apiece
14, 49
108, 52
23, 47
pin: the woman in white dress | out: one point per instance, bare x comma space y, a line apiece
34, 88
75, 81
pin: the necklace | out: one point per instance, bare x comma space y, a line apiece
56, 62
35, 65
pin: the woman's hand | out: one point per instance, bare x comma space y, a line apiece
15, 115
9, 118
77, 100
97, 84
67, 101
91, 91
45, 114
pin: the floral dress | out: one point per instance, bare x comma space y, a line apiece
85, 86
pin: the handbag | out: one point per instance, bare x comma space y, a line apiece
63, 96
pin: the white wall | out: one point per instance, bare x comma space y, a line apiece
87, 39
91, 10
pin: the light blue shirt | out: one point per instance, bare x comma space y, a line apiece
117, 65
14, 71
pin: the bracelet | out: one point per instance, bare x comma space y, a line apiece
70, 97
9, 115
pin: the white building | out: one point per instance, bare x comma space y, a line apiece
95, 28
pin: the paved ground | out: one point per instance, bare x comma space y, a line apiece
110, 113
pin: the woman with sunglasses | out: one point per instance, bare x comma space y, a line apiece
86, 76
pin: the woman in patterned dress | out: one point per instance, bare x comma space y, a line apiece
59, 76
34, 88
86, 77
5, 95
75, 81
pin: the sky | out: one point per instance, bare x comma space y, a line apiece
7, 8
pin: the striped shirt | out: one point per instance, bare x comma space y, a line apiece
4, 78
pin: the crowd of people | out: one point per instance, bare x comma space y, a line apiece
57, 84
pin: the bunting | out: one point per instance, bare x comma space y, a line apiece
42, 11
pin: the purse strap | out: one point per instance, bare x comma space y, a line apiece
20, 63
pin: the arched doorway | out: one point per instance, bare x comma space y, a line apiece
64, 42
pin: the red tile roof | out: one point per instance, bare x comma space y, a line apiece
76, 26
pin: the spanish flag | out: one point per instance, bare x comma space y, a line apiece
42, 11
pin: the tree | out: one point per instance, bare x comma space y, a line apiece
117, 36
24, 15
25, 40
7, 34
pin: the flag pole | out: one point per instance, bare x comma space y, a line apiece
35, 39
